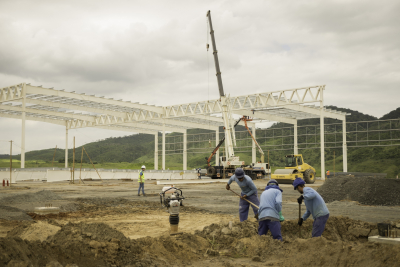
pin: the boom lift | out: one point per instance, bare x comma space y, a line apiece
229, 162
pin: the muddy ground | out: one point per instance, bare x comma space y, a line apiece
107, 224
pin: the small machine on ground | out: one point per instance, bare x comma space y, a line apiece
172, 201
295, 167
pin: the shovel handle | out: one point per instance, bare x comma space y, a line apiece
299, 219
244, 199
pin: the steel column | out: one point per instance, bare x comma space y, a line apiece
23, 126
344, 146
185, 150
66, 147
216, 143
322, 137
163, 147
156, 151
296, 147
253, 144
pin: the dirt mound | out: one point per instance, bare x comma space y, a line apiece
365, 190
40, 196
11, 213
36, 231
100, 245
338, 228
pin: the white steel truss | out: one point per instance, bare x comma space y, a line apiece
74, 110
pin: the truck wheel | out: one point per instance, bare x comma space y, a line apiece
211, 171
309, 176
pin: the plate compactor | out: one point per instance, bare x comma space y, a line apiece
295, 167
172, 201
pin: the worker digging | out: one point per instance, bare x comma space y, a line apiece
270, 211
315, 205
249, 192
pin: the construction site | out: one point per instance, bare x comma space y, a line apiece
76, 217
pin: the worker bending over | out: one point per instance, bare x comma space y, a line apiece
249, 192
315, 205
270, 212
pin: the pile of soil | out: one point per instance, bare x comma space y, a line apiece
39, 231
343, 244
365, 190
11, 213
40, 196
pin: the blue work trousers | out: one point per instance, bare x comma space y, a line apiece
141, 185
274, 227
319, 225
244, 206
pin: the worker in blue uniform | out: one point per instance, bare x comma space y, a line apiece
315, 205
249, 192
270, 212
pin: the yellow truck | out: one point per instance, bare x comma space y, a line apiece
295, 166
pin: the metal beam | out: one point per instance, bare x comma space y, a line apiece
264, 116
126, 129
33, 118
52, 92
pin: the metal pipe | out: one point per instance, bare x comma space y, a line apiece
73, 164
10, 162
80, 172
54, 155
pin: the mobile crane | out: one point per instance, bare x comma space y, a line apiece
230, 162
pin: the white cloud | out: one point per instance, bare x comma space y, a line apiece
154, 51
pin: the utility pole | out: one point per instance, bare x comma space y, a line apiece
54, 156
269, 166
10, 161
73, 164
334, 163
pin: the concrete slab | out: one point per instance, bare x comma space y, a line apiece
385, 240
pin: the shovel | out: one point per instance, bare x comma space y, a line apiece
251, 203
299, 219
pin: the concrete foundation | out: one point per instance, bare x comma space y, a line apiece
385, 240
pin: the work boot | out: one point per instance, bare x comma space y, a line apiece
144, 195
138, 195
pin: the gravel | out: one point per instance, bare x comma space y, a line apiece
40, 196
11, 213
365, 190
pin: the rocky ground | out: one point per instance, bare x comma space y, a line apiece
107, 224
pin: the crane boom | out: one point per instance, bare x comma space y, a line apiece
215, 52
228, 127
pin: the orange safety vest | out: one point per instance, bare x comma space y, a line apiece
328, 173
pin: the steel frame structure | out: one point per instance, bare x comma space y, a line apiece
74, 110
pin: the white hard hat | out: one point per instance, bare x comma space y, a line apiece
143, 167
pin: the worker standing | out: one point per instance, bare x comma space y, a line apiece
141, 181
249, 192
270, 212
199, 173
328, 173
315, 205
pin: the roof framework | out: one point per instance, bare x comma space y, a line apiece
79, 110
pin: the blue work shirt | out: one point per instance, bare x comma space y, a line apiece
315, 204
270, 203
247, 186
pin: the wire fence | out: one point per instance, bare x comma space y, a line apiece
376, 133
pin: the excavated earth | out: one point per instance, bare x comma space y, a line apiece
365, 190
125, 230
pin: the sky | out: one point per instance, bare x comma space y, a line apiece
155, 52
